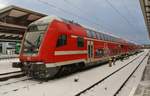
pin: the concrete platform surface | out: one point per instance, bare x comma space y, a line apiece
143, 88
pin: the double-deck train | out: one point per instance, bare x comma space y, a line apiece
52, 44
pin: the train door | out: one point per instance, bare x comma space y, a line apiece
90, 48
106, 50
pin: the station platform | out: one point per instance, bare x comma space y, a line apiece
143, 88
8, 56
6, 65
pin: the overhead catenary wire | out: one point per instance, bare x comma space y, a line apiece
130, 14
133, 18
120, 14
69, 13
96, 18
117, 11
87, 13
84, 18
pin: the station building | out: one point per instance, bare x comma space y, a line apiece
13, 24
145, 6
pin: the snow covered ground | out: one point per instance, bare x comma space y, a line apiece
66, 86
109, 86
6, 65
143, 88
130, 87
8, 56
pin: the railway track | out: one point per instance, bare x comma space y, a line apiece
9, 75
9, 83
130, 76
35, 83
23, 86
100, 81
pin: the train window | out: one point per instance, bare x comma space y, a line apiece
88, 33
101, 36
80, 42
104, 37
98, 35
62, 40
113, 39
109, 38
93, 34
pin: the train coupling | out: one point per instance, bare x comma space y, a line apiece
17, 64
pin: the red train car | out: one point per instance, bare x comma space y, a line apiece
52, 44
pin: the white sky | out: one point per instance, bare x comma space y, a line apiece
2, 5
98, 14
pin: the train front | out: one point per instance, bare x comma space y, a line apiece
31, 54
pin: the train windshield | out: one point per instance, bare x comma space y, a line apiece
33, 38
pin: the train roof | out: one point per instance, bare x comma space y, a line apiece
49, 19
93, 29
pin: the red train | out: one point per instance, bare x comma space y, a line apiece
53, 44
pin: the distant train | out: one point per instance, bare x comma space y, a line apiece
53, 44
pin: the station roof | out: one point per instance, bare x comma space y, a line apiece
145, 6
14, 21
